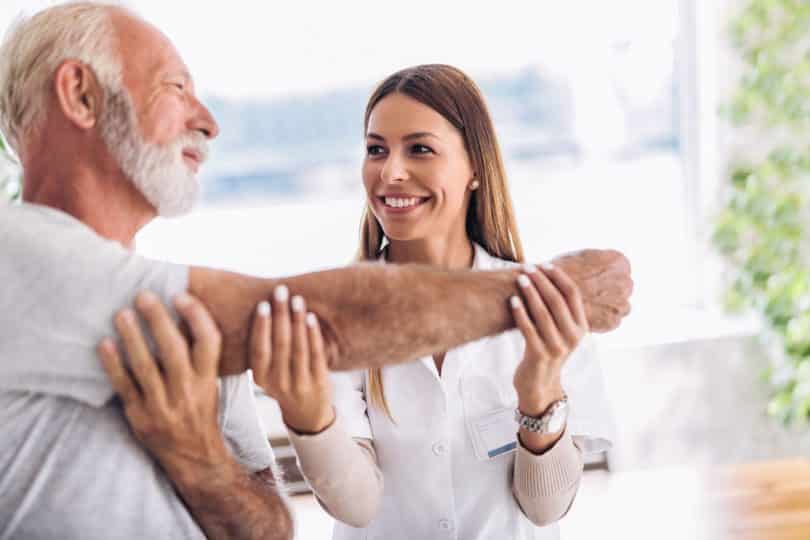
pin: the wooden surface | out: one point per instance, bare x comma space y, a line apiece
757, 501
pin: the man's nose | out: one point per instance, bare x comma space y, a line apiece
203, 121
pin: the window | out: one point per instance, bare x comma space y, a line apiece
585, 97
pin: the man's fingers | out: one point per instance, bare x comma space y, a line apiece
141, 362
172, 346
260, 337
300, 345
207, 340
570, 292
317, 352
526, 327
120, 379
282, 339
541, 315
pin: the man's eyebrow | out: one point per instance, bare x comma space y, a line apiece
181, 73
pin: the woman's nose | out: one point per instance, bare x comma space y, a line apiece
394, 169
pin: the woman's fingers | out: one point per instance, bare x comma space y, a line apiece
172, 348
300, 343
141, 362
120, 379
282, 338
527, 328
260, 339
558, 307
317, 352
540, 313
207, 340
572, 294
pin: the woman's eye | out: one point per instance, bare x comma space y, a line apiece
421, 149
374, 150
179, 86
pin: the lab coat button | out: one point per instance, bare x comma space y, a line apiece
445, 524
439, 449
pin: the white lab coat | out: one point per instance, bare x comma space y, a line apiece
435, 484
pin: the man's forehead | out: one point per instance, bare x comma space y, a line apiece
144, 47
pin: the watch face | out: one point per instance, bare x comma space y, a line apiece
558, 418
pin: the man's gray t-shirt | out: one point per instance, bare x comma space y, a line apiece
69, 466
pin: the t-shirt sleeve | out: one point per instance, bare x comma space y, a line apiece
62, 285
241, 425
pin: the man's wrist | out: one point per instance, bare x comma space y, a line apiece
195, 475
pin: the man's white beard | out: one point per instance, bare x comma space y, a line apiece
159, 172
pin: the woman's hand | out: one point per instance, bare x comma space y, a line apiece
552, 319
288, 361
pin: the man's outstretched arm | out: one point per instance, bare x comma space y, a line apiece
63, 284
375, 314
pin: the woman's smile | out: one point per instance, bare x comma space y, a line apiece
398, 204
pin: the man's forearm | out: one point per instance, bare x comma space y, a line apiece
371, 314
234, 504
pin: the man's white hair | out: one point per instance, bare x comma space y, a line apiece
34, 47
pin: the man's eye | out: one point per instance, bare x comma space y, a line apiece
179, 86
374, 150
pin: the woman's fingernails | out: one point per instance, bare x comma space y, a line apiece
514, 302
547, 266
312, 320
297, 304
529, 268
281, 293
523, 280
263, 309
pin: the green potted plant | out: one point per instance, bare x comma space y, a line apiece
10, 188
763, 229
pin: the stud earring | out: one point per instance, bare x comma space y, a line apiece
474, 185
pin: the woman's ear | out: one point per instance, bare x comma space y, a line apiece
78, 93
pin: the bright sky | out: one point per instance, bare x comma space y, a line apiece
243, 48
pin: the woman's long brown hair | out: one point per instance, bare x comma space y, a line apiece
490, 216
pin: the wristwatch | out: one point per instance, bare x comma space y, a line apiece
551, 421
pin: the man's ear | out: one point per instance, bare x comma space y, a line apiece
78, 93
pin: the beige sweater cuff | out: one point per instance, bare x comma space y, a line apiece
545, 485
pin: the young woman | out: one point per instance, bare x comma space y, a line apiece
486, 440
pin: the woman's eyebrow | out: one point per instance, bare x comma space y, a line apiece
419, 135
410, 136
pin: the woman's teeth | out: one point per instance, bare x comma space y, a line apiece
396, 202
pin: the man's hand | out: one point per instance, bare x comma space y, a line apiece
603, 278
172, 406
172, 411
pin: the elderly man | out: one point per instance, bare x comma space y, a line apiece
102, 113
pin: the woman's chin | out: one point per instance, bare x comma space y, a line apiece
399, 233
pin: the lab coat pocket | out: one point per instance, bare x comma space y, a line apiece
489, 413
